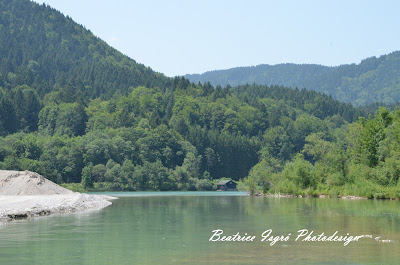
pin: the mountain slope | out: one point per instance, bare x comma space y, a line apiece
142, 131
373, 80
42, 48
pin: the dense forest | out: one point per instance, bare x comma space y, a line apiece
80, 113
371, 81
182, 139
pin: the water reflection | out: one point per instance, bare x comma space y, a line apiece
176, 229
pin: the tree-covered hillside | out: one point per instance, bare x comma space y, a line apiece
77, 111
373, 80
181, 139
42, 48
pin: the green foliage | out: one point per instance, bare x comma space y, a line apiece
27, 105
300, 172
76, 187
251, 185
204, 185
66, 118
87, 179
358, 159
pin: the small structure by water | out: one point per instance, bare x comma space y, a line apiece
226, 185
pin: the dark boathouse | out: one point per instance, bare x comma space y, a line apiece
226, 185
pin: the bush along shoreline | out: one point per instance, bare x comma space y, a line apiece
360, 159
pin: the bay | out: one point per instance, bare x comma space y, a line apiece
175, 228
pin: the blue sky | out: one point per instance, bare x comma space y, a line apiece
177, 37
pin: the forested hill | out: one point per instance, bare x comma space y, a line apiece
77, 111
373, 80
40, 47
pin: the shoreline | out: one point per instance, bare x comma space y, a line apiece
25, 206
322, 196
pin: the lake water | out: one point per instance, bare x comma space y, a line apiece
175, 228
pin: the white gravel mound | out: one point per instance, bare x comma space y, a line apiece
28, 183
27, 194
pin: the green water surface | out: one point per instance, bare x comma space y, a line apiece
175, 228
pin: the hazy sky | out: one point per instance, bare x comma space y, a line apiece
177, 37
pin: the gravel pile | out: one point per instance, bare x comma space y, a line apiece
27, 194
28, 183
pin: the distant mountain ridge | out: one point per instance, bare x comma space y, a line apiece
372, 80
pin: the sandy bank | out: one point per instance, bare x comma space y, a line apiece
27, 194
